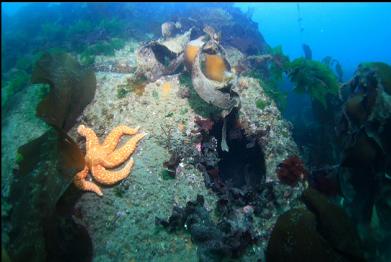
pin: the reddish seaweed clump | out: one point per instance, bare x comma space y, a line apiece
204, 124
291, 171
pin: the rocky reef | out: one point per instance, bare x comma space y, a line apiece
183, 155
229, 238
219, 173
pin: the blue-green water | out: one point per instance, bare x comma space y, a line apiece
350, 32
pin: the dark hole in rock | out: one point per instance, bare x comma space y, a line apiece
163, 54
244, 164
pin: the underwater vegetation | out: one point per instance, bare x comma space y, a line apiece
221, 158
279, 65
269, 70
132, 85
291, 171
356, 163
105, 47
54, 30
381, 71
307, 51
314, 78
315, 125
322, 226
364, 131
40, 180
308, 76
333, 63
72, 87
261, 104
45, 165
271, 89
352, 161
18, 80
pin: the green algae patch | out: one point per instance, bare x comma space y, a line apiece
313, 78
261, 104
382, 71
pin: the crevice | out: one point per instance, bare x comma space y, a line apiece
243, 165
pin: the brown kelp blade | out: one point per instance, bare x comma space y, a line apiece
72, 87
46, 168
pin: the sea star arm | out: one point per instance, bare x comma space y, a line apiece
81, 182
112, 139
120, 155
92, 140
106, 177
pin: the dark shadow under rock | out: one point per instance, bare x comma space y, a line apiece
242, 165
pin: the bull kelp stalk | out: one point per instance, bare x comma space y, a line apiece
319, 82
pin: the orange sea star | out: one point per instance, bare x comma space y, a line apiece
101, 156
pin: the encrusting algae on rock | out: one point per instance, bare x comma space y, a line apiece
166, 88
101, 156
